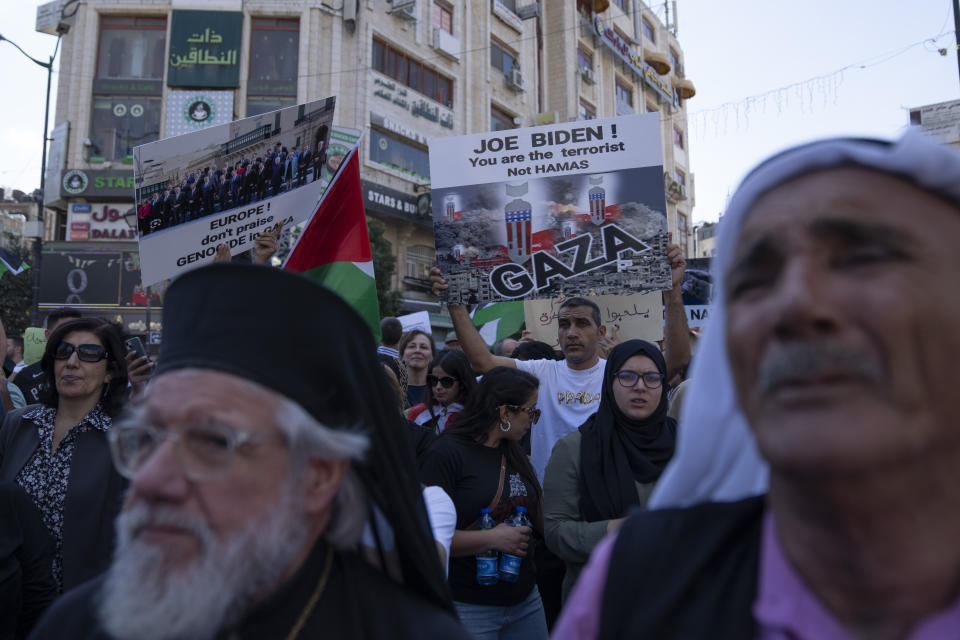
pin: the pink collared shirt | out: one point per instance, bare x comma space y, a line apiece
785, 609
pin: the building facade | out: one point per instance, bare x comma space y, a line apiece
402, 71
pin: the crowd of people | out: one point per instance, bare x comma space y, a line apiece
214, 189
792, 480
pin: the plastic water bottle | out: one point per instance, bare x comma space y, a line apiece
509, 564
487, 560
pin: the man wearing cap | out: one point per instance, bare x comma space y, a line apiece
452, 342
254, 467
825, 383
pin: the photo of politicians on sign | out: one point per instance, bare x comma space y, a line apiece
577, 208
220, 184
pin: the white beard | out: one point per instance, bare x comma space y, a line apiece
144, 599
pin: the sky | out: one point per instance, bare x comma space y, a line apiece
768, 73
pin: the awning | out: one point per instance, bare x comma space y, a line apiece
684, 87
659, 61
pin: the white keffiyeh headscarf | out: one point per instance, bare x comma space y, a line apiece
716, 458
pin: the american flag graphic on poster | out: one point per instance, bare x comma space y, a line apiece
598, 201
518, 215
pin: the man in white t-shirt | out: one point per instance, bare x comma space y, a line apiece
570, 388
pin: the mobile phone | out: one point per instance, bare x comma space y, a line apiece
135, 344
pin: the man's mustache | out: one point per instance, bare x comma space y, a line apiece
784, 362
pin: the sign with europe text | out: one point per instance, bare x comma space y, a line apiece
576, 208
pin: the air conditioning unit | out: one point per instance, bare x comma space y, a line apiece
515, 79
406, 9
588, 76
446, 44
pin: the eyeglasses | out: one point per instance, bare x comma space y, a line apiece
85, 352
204, 452
651, 379
446, 381
532, 412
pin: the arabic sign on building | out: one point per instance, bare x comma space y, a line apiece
622, 49
940, 121
188, 111
99, 221
205, 49
109, 184
406, 99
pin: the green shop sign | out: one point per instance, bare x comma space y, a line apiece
205, 49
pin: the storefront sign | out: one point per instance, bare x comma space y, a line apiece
398, 128
622, 49
99, 221
379, 199
111, 184
418, 107
127, 87
188, 111
89, 276
205, 49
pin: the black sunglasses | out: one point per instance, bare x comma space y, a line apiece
85, 352
651, 379
446, 381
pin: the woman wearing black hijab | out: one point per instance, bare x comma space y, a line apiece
596, 474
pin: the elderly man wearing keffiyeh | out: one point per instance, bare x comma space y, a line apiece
826, 384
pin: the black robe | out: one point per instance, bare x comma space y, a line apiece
357, 602
685, 573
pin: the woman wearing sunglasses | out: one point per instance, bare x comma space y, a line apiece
57, 451
478, 461
597, 473
449, 384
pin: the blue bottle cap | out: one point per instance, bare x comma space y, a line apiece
522, 509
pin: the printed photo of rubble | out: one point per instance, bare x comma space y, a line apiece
481, 228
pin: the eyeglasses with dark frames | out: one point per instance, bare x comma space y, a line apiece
532, 412
651, 379
85, 352
446, 381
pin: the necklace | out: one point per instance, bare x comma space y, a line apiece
314, 597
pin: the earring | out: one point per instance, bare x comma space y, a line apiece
509, 426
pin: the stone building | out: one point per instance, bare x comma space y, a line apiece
403, 72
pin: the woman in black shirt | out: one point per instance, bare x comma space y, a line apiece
477, 460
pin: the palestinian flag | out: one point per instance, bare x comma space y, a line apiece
334, 248
10, 262
498, 320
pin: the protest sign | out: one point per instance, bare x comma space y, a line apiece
697, 288
417, 320
34, 342
226, 184
577, 208
638, 315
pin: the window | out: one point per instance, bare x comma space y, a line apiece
622, 4
442, 17
678, 137
412, 73
509, 4
131, 48
274, 63
587, 111
500, 119
502, 59
420, 259
584, 58
624, 95
399, 154
682, 230
120, 123
648, 30
131, 56
681, 176
675, 62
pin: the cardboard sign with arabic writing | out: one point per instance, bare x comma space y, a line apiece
638, 315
